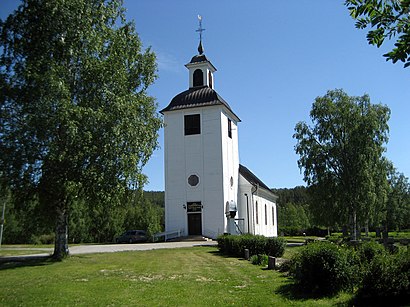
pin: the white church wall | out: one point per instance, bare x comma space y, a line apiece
230, 157
213, 211
175, 216
265, 224
256, 201
245, 205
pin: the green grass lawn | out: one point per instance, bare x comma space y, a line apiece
174, 277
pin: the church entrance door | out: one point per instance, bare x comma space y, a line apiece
194, 210
194, 224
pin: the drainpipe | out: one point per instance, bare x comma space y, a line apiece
254, 189
247, 210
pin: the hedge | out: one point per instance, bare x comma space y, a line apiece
324, 268
235, 245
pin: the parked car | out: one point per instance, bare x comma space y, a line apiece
132, 236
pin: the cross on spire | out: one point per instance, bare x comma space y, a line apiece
200, 30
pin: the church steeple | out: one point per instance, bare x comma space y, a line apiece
200, 30
200, 68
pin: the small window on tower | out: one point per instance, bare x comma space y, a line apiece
229, 128
198, 77
192, 124
193, 180
210, 79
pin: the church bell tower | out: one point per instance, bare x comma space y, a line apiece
200, 154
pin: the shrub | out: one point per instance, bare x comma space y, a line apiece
236, 245
259, 260
322, 268
369, 250
275, 247
291, 231
388, 276
42, 239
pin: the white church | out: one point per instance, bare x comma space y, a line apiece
207, 191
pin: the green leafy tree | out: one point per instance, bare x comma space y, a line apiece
76, 121
397, 212
387, 19
341, 155
293, 213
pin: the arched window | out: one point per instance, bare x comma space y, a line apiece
210, 79
257, 213
266, 215
273, 216
198, 77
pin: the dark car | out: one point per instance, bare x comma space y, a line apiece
132, 236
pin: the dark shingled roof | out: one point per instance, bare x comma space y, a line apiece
248, 175
200, 96
199, 58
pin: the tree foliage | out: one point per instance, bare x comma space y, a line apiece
342, 158
397, 210
387, 19
293, 209
76, 121
86, 223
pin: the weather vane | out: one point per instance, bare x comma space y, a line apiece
200, 30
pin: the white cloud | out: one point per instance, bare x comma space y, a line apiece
168, 62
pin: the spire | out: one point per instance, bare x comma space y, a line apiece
200, 30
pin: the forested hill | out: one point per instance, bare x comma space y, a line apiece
297, 195
293, 210
155, 197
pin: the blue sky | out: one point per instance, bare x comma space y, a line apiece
273, 58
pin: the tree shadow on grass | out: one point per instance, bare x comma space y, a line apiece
293, 292
380, 301
7, 263
220, 254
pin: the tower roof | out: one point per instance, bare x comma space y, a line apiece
198, 59
197, 97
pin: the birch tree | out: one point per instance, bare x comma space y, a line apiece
76, 119
341, 155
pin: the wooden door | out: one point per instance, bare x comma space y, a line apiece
194, 224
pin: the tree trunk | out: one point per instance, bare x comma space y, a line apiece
61, 239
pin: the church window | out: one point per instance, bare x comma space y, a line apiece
229, 128
198, 77
192, 124
266, 215
273, 215
193, 180
257, 213
210, 79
